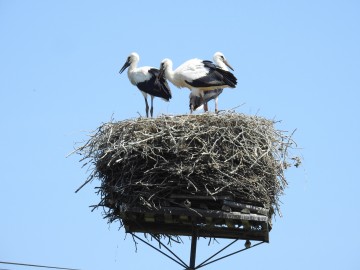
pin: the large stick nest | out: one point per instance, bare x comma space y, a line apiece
141, 162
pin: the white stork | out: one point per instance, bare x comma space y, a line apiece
197, 75
195, 101
148, 80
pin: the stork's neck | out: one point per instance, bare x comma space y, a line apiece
220, 64
131, 72
169, 73
132, 67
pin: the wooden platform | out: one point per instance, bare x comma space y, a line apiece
217, 217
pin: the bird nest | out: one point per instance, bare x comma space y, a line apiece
144, 163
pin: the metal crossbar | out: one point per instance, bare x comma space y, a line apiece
221, 250
168, 249
180, 262
223, 257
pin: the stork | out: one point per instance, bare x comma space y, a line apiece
195, 101
197, 75
148, 80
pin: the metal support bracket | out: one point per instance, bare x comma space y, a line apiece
194, 239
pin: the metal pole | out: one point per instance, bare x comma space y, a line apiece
193, 250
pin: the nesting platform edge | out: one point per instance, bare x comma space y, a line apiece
232, 221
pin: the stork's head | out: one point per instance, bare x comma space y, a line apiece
220, 60
165, 64
132, 58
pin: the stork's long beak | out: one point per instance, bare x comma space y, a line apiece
125, 66
227, 63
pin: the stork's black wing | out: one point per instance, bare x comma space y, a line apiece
216, 76
157, 87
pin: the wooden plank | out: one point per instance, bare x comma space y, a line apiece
149, 217
257, 209
168, 219
199, 213
203, 231
207, 198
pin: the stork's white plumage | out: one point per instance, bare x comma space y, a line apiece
148, 80
197, 75
196, 102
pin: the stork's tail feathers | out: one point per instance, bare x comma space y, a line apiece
166, 90
163, 87
229, 78
160, 86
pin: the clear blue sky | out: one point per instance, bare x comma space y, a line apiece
296, 61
